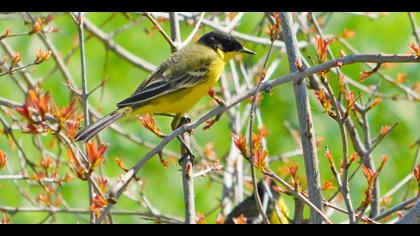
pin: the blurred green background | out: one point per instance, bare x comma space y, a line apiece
388, 33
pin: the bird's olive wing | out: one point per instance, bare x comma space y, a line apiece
161, 87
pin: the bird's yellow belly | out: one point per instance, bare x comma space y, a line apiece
182, 101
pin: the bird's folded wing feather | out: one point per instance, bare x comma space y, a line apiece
175, 74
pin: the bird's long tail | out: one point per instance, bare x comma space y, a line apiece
87, 133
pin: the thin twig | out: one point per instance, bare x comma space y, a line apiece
145, 215
175, 31
258, 201
416, 31
395, 208
299, 195
80, 27
23, 177
343, 183
242, 36
116, 48
194, 31
162, 32
206, 171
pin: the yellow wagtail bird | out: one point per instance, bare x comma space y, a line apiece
177, 84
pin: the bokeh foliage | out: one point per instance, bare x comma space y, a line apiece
388, 33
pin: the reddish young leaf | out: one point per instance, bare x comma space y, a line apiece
369, 174
164, 162
241, 144
401, 78
121, 164
188, 170
322, 98
375, 102
322, 47
416, 87
46, 162
209, 151
384, 130
299, 65
15, 59
95, 153
220, 219
385, 159
43, 198
415, 48
71, 126
102, 182
327, 185
3, 159
37, 27
75, 165
347, 34
67, 178
260, 159
240, 220
330, 158
293, 169
353, 157
200, 218
416, 173
42, 56
211, 93
6, 33
4, 219
278, 189
98, 202
365, 75
149, 123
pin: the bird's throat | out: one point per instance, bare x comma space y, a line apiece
225, 56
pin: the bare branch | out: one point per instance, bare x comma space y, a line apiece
398, 207
162, 32
416, 31
145, 215
175, 31
307, 132
116, 48
194, 31
413, 216
9, 103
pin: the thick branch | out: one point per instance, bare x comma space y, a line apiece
413, 216
307, 132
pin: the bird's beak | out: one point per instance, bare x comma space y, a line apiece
247, 51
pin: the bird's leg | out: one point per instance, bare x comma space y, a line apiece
182, 120
187, 153
175, 122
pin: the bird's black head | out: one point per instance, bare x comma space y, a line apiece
223, 41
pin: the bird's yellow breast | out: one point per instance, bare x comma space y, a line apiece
183, 100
